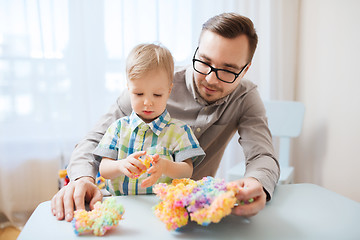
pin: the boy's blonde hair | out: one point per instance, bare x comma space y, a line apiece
146, 57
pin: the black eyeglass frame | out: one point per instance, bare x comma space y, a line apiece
212, 69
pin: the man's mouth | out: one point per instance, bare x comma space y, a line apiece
209, 90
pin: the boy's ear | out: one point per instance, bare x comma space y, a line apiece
171, 87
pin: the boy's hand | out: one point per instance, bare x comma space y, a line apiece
132, 166
155, 171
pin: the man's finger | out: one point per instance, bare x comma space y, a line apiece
68, 202
247, 211
53, 204
79, 195
59, 202
248, 193
250, 209
96, 197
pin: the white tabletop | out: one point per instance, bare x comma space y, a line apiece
297, 211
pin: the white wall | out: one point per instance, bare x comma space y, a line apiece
328, 82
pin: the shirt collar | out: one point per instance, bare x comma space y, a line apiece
156, 126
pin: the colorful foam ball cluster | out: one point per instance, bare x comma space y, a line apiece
103, 217
205, 201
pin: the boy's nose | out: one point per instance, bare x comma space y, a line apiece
148, 102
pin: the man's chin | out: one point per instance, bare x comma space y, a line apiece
209, 98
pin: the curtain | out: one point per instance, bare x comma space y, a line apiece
62, 65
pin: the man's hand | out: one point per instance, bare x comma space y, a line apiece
76, 192
250, 189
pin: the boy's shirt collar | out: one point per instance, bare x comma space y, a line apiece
156, 126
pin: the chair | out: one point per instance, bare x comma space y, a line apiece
285, 120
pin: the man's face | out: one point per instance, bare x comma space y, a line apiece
221, 53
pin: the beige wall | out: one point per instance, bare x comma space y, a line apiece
328, 82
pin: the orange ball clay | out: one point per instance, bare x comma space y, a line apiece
147, 162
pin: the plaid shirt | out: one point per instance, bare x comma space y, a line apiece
172, 139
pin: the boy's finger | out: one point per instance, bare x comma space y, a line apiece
138, 154
155, 158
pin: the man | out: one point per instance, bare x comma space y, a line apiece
214, 99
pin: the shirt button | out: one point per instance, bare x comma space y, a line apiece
198, 129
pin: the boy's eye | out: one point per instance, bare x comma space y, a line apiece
157, 95
139, 94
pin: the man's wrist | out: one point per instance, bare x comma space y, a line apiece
86, 178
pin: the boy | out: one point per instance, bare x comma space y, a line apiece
149, 70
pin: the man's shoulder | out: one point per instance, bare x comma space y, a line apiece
180, 72
247, 85
180, 69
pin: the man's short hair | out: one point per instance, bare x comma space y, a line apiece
232, 25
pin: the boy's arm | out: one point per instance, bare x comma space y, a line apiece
108, 168
130, 166
182, 169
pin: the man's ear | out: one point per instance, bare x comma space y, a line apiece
246, 69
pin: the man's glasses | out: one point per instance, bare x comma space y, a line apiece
222, 74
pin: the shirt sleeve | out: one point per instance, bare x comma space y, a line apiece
108, 146
82, 162
187, 146
256, 141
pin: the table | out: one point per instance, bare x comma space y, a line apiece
297, 211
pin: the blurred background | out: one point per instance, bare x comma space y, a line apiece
62, 67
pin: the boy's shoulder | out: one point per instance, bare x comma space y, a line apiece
177, 123
121, 121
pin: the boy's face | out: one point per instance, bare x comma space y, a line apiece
222, 53
149, 94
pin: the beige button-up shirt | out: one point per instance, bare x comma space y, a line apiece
213, 124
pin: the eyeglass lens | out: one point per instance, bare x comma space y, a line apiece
221, 74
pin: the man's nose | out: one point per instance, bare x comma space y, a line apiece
211, 78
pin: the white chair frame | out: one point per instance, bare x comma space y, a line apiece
285, 119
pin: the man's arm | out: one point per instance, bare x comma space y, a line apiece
82, 162
262, 167
256, 141
83, 167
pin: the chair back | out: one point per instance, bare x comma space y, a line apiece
285, 120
